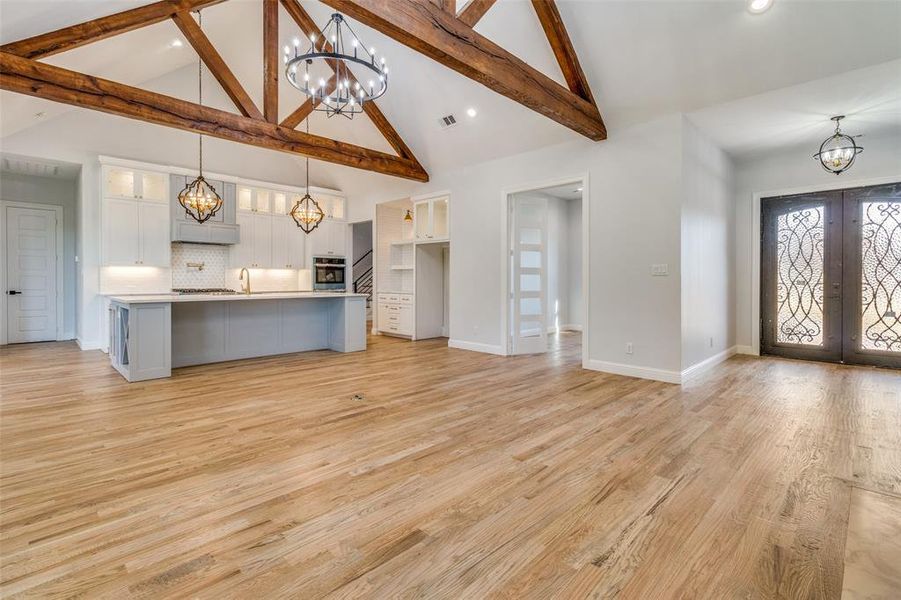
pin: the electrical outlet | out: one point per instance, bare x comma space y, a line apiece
629, 349
661, 270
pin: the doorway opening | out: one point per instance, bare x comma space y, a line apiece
831, 276
545, 270
361, 263
38, 236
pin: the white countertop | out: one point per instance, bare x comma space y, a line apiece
155, 298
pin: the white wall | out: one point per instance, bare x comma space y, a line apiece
708, 282
793, 171
634, 193
58, 192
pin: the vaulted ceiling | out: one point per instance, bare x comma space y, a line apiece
642, 59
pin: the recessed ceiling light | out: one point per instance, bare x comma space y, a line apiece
471, 112
759, 6
176, 43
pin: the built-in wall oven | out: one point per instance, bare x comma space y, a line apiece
329, 273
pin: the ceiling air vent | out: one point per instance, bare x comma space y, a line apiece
447, 122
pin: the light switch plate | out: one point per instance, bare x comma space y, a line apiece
661, 270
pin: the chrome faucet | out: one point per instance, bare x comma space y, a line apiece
245, 287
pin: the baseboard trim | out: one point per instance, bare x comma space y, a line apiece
634, 371
571, 328
746, 350
83, 345
707, 363
476, 347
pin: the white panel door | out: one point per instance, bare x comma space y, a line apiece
155, 240
31, 274
528, 281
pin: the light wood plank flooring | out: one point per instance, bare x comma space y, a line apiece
454, 475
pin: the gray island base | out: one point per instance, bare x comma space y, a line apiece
152, 334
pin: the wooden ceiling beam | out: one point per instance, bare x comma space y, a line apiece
447, 5
307, 108
308, 27
33, 78
422, 26
270, 60
212, 59
563, 49
473, 12
67, 38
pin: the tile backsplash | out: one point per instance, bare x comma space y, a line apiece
216, 273
213, 258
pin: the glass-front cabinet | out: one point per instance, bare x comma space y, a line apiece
430, 219
132, 184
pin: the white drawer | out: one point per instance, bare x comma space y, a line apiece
395, 318
392, 298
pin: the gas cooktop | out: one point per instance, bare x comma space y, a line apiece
213, 291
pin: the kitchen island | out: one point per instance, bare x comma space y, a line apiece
150, 334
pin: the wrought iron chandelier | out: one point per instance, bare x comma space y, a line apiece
838, 151
339, 48
199, 198
306, 212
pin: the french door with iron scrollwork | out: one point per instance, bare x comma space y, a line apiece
831, 276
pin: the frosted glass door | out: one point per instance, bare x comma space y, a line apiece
528, 275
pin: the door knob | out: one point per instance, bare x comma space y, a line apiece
13, 292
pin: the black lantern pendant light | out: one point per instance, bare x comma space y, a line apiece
339, 48
837, 152
199, 198
306, 212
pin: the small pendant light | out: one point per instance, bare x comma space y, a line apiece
199, 198
838, 151
306, 212
409, 216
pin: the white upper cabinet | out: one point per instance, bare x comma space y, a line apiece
254, 200
153, 220
288, 244
332, 206
430, 219
120, 242
135, 232
135, 218
329, 239
254, 251
122, 182
263, 201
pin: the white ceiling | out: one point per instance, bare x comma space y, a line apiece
870, 99
712, 59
